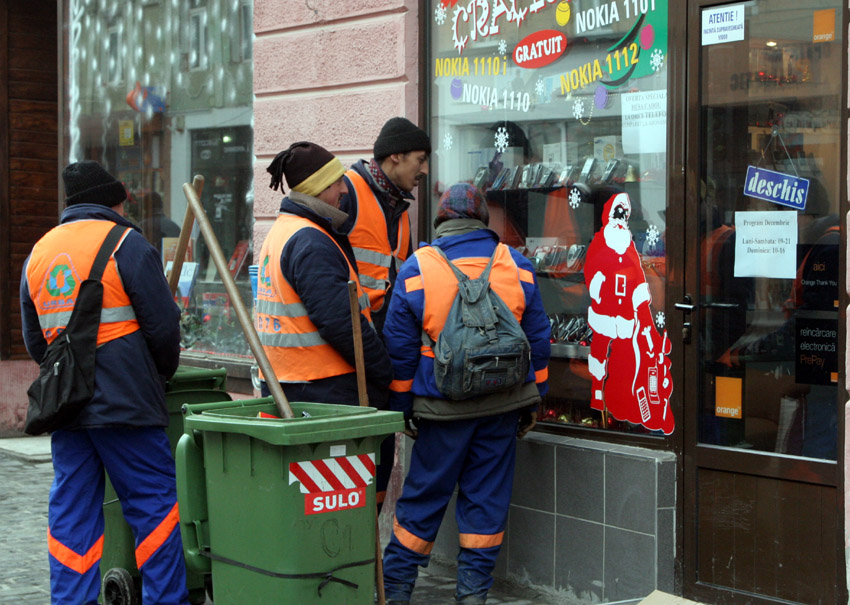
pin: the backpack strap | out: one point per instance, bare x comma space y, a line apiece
106, 250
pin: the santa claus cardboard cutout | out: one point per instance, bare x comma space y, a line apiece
628, 358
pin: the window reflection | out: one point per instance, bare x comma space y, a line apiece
769, 296
552, 110
158, 92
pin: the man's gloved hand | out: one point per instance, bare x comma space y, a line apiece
527, 420
410, 429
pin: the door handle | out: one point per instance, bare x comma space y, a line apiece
686, 306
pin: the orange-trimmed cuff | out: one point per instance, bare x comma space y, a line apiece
401, 386
541, 375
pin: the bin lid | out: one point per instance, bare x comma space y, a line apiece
326, 421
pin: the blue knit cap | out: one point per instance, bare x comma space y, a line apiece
462, 201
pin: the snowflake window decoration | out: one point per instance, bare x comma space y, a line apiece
539, 88
575, 198
448, 141
652, 235
656, 59
440, 14
501, 140
578, 109
660, 319
503, 47
578, 112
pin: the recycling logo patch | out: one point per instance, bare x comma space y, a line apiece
60, 281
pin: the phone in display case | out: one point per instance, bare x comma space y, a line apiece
517, 177
610, 170
587, 169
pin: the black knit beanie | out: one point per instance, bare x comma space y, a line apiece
307, 167
87, 182
400, 135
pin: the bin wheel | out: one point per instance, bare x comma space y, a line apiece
119, 588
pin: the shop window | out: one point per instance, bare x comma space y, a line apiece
553, 108
156, 126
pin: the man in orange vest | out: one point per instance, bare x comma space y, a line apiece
303, 313
470, 443
121, 429
378, 197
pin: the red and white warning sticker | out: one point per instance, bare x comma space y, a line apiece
333, 484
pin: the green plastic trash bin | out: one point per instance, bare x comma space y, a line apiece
120, 579
282, 510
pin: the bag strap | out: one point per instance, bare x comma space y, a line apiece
106, 250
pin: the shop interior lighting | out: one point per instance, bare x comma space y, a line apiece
770, 43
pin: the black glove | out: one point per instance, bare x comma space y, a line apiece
527, 420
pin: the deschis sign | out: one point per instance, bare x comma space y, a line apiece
784, 189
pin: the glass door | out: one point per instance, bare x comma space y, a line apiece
764, 148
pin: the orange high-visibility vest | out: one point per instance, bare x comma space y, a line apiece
60, 262
295, 349
440, 285
371, 242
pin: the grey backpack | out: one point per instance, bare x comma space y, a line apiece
481, 349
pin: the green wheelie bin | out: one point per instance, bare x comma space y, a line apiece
120, 579
282, 510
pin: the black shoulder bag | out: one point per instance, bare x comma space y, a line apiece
65, 380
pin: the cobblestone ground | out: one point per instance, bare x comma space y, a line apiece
24, 572
24, 575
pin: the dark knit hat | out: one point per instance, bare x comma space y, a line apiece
462, 201
400, 135
308, 168
87, 182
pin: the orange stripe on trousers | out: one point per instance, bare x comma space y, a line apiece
408, 540
67, 557
157, 537
481, 540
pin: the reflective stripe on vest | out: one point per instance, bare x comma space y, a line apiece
440, 284
370, 240
296, 350
59, 263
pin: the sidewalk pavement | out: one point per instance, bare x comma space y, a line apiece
26, 472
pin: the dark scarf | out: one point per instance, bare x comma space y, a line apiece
394, 194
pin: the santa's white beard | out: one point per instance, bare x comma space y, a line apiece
617, 239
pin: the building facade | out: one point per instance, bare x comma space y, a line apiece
693, 437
